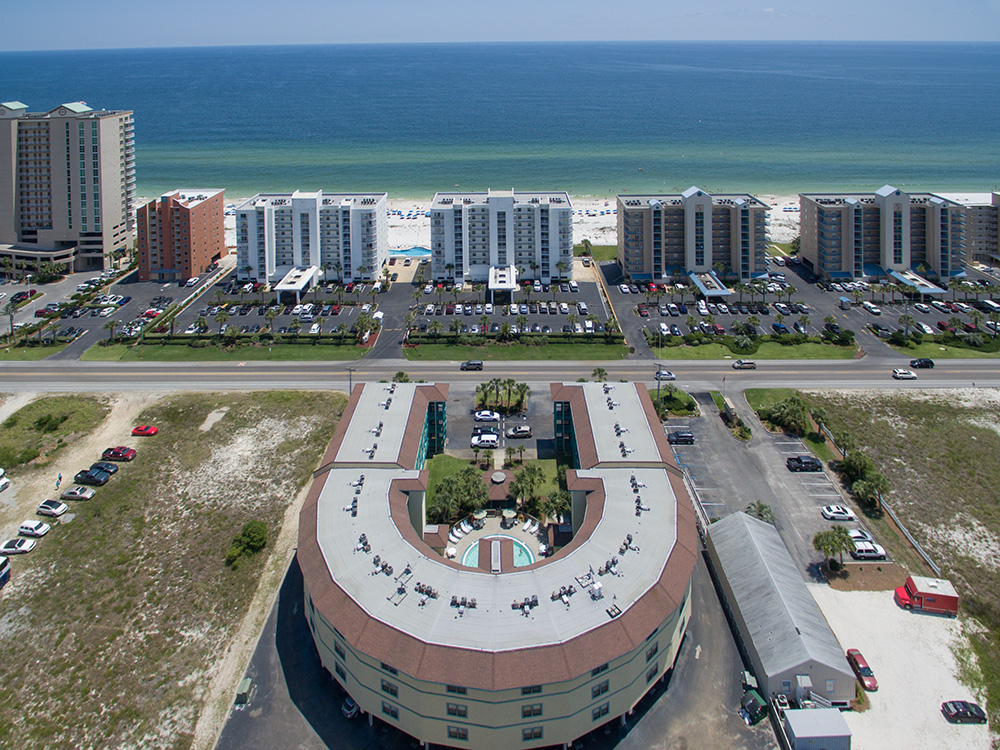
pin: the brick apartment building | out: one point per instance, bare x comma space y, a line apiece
180, 234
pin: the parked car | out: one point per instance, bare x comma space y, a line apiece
350, 708
963, 712
867, 551
838, 513
78, 493
803, 463
52, 508
900, 374
92, 476
487, 416
520, 431
680, 438
107, 466
485, 429
33, 528
4, 483
119, 453
860, 535
145, 430
484, 441
17, 546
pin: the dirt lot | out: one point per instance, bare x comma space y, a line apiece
914, 659
124, 628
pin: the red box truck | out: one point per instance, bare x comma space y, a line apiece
928, 595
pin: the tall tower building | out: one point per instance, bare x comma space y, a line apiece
67, 184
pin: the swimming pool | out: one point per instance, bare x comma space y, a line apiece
522, 555
412, 252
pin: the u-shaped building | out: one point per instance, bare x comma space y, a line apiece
495, 655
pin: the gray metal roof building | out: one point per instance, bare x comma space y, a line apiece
790, 645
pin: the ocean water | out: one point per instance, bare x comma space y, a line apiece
589, 118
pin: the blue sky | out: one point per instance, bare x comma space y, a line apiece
72, 24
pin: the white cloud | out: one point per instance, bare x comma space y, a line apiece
767, 10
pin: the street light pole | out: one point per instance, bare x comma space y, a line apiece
350, 380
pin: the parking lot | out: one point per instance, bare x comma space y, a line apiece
728, 475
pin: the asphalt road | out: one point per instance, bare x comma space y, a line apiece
692, 376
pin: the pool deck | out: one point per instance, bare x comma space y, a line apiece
492, 527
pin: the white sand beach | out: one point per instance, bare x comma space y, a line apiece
595, 219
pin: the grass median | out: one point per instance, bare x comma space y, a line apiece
179, 353
555, 350
767, 350
29, 353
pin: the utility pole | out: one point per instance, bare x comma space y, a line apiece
350, 380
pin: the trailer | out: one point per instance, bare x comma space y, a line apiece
934, 595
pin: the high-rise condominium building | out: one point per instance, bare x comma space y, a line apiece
345, 235
474, 233
695, 232
180, 235
885, 233
982, 238
67, 183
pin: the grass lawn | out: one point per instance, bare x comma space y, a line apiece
37, 431
767, 350
176, 353
439, 467
29, 353
718, 400
783, 248
679, 403
598, 252
124, 610
758, 398
939, 456
933, 350
557, 350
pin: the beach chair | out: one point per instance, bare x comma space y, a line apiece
534, 528
465, 527
527, 525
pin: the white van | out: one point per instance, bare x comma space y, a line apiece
574, 287
588, 326
378, 287
582, 307
664, 329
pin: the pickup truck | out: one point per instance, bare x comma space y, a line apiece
803, 463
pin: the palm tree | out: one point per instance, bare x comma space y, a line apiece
509, 384
906, 320
434, 328
691, 322
509, 453
761, 510
9, 309
754, 322
319, 321
790, 291
295, 327
955, 322
221, 317
600, 375
739, 287
455, 326
269, 315
522, 321
484, 323
977, 317
201, 323
523, 392
858, 295
219, 296
804, 322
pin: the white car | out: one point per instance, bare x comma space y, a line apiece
963, 307
52, 508
33, 528
297, 310
428, 289
489, 308
314, 328
623, 288
17, 546
487, 416
78, 493
484, 441
4, 483
860, 535
921, 307
900, 374
838, 513
930, 331
872, 308
665, 375
867, 551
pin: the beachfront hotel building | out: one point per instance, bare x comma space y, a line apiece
695, 233
180, 235
510, 649
910, 237
476, 235
982, 238
340, 236
67, 184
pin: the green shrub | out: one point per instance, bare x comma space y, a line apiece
49, 422
251, 540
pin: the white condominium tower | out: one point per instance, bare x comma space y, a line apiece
474, 233
346, 235
694, 232
67, 184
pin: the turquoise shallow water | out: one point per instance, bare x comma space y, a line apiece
522, 555
589, 118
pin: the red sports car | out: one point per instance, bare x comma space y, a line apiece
145, 430
862, 670
121, 453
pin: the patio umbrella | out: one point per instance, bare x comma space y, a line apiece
479, 515
508, 514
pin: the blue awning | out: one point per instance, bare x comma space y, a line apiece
717, 288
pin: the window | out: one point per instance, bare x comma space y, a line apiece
390, 688
339, 650
831, 686
653, 671
599, 711
531, 689
459, 690
531, 733
598, 670
390, 670
458, 733
339, 670
599, 689
390, 710
534, 709
457, 709
652, 651
786, 686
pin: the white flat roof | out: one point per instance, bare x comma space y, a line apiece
447, 200
379, 421
618, 404
297, 280
193, 196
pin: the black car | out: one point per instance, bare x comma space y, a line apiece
803, 463
832, 328
485, 429
92, 476
963, 712
472, 364
680, 438
107, 466
922, 363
